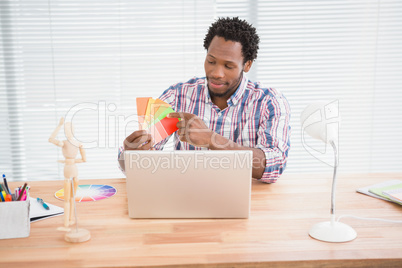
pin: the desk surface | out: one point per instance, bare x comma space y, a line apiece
276, 232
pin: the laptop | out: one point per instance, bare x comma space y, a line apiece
188, 184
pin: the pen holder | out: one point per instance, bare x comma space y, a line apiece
14, 219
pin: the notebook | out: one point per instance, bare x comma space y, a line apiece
188, 184
383, 190
38, 212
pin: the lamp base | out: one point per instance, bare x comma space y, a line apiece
331, 231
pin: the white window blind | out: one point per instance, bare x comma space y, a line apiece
88, 60
91, 59
349, 51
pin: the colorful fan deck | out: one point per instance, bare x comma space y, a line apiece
89, 192
152, 117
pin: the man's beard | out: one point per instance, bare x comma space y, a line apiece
228, 91
219, 95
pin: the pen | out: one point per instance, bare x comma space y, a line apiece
25, 193
21, 193
6, 184
40, 200
2, 196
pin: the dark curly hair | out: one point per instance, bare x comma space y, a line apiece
237, 30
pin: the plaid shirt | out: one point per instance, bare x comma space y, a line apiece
256, 117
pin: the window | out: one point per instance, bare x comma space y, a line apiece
89, 60
349, 51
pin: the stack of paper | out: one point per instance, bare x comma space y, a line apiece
152, 117
389, 190
394, 194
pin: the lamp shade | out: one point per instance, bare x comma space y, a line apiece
321, 120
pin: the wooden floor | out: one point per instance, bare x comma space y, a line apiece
276, 232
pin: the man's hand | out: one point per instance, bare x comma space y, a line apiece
192, 129
138, 140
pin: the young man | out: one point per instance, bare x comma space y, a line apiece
225, 110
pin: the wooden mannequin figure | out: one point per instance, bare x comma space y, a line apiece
70, 149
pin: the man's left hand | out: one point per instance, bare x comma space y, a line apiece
192, 129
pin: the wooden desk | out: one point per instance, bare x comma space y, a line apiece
276, 233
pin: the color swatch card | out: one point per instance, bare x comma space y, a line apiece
152, 117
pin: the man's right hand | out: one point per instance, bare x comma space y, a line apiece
139, 140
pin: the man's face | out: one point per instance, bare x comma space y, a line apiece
224, 67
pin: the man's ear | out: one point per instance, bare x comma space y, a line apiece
247, 66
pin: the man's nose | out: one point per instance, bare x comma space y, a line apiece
217, 72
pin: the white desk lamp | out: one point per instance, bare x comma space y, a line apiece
321, 120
